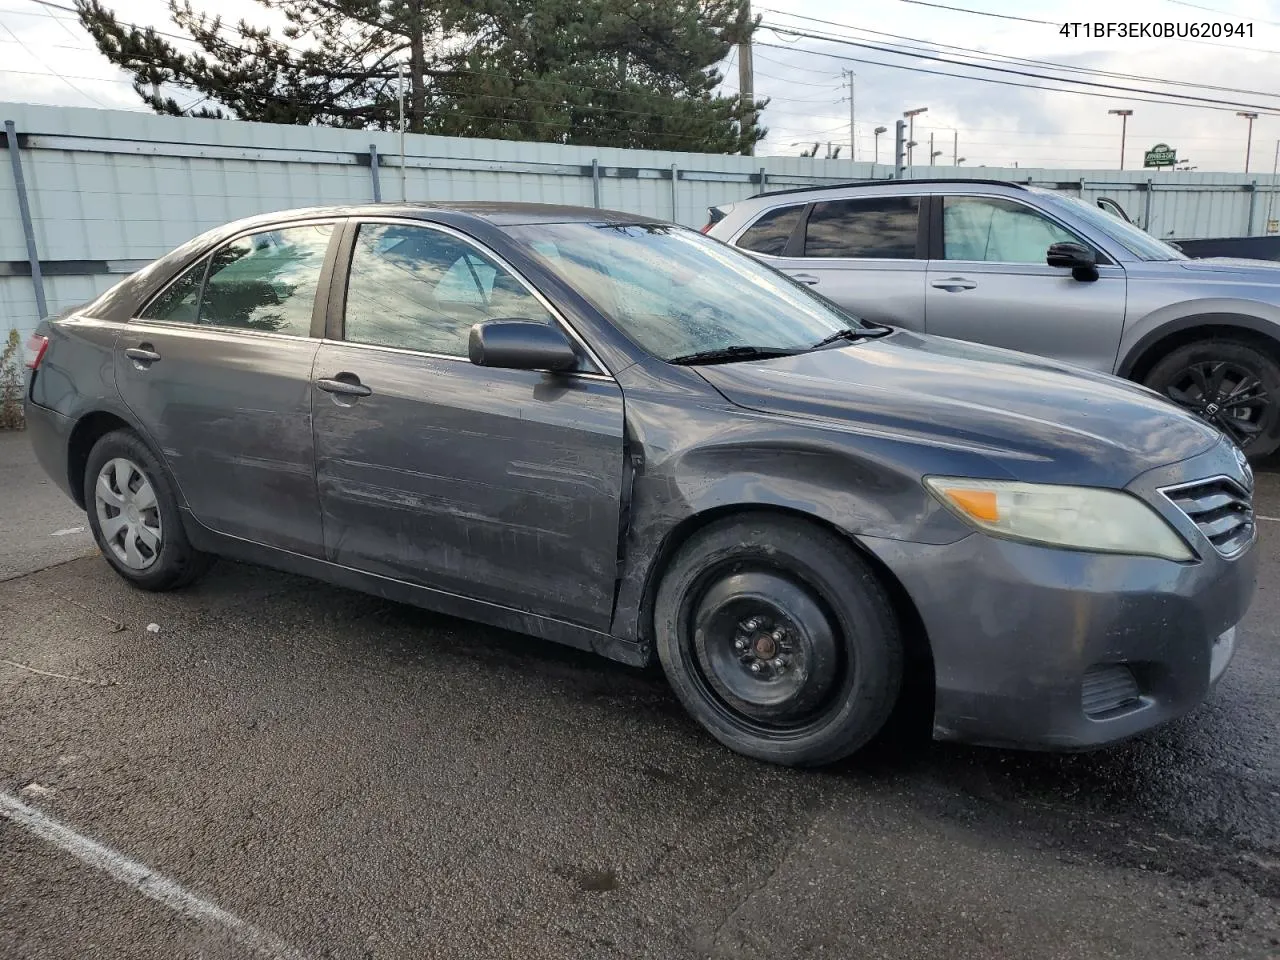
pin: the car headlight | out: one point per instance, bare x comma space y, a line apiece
1078, 518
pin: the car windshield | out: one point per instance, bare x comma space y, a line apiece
677, 293
1134, 239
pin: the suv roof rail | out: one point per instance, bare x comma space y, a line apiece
878, 183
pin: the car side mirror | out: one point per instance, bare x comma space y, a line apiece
1076, 257
518, 344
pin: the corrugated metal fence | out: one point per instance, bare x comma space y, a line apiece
111, 190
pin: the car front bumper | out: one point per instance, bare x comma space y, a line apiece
1029, 641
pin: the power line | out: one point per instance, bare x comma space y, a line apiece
935, 46
52, 72
1205, 102
1051, 23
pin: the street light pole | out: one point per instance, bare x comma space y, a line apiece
1248, 147
911, 129
1124, 116
876, 134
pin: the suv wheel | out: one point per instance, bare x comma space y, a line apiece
1231, 384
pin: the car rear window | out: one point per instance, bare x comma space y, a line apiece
769, 234
867, 227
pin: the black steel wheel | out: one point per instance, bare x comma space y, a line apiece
778, 639
1232, 385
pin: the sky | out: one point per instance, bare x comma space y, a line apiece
46, 57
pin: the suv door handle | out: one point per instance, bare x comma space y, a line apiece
954, 284
344, 385
806, 278
142, 354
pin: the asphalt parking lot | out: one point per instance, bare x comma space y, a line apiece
285, 769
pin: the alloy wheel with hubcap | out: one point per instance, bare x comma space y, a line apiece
128, 513
1227, 395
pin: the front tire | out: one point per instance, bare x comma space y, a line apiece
779, 640
134, 516
1229, 383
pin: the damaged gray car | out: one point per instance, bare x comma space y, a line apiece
624, 436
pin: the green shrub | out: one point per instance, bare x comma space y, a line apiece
12, 382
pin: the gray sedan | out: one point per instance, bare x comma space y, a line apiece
624, 436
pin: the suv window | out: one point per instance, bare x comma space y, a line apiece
865, 227
180, 301
422, 289
996, 230
769, 234
266, 281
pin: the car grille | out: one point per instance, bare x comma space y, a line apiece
1220, 508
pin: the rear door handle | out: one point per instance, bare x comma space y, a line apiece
143, 355
954, 284
806, 278
348, 386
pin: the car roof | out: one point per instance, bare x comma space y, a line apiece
500, 214
873, 184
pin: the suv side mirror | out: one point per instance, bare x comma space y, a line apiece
1076, 257
519, 344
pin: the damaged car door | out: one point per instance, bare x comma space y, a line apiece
499, 484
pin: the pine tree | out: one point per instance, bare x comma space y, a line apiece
621, 73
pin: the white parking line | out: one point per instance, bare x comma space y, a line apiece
144, 880
1272, 519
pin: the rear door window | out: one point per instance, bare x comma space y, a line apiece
880, 228
769, 235
266, 281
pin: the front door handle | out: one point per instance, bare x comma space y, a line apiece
143, 355
344, 385
806, 278
954, 284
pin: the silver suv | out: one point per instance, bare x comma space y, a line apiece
1036, 271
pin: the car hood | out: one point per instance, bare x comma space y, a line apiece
1256, 271
1035, 418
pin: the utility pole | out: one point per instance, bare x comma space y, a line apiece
400, 76
1124, 116
746, 71
1248, 146
955, 148
932, 153
899, 130
876, 135
1271, 197
853, 136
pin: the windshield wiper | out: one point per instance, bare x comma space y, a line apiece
729, 354
848, 333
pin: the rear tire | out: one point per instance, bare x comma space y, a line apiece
1231, 384
779, 640
134, 515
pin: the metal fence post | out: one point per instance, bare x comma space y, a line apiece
373, 172
675, 194
1253, 203
764, 179
24, 211
1146, 205
595, 183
